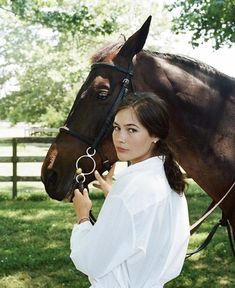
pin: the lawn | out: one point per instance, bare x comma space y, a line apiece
34, 245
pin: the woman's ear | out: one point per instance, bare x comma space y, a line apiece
155, 140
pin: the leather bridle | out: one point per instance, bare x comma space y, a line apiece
95, 144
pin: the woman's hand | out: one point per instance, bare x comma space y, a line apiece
105, 183
82, 204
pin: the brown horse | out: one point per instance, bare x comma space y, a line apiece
201, 103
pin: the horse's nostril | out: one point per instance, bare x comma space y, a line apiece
50, 182
51, 178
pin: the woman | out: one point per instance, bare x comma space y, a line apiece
142, 232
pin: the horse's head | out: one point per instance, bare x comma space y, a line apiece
88, 123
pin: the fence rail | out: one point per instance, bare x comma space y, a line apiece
15, 159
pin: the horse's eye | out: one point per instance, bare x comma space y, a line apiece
83, 95
102, 95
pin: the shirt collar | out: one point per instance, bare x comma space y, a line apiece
154, 163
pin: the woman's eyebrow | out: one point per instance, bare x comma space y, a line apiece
126, 125
131, 124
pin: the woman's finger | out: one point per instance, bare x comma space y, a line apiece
77, 194
96, 185
111, 172
85, 193
99, 178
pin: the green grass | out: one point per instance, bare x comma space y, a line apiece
34, 245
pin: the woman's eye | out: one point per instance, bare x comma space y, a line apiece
102, 95
116, 128
132, 130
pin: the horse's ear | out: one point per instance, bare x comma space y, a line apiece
136, 42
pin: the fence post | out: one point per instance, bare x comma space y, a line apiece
14, 167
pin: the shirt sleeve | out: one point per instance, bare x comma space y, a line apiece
97, 250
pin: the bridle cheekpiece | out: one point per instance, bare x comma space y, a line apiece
94, 145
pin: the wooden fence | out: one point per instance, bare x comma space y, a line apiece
14, 159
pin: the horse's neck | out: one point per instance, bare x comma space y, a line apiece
201, 133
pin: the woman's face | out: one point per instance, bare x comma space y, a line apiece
131, 139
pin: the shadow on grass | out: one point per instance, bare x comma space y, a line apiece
34, 246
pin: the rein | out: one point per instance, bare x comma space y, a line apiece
222, 222
194, 227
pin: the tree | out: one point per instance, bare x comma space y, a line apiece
207, 19
42, 47
62, 15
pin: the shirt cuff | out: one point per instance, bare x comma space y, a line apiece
83, 226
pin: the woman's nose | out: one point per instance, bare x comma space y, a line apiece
121, 137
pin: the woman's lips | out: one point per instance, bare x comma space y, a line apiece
121, 150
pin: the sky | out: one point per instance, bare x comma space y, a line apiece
221, 59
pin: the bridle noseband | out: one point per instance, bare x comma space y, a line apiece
95, 144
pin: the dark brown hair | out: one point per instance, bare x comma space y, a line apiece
152, 113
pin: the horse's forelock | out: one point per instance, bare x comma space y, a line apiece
106, 51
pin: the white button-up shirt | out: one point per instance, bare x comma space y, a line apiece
141, 234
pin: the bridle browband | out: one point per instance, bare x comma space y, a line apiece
95, 144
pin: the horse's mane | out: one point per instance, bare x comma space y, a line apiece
188, 62
184, 62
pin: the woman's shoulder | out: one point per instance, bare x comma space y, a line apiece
142, 190
130, 182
